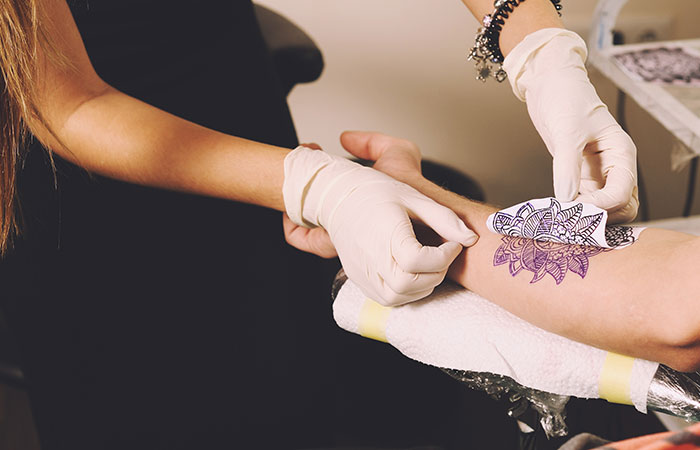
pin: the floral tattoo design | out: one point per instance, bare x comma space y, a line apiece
619, 236
542, 258
553, 240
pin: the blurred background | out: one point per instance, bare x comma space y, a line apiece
399, 67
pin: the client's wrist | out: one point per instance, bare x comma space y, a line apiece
424, 186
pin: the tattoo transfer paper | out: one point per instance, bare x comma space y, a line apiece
548, 237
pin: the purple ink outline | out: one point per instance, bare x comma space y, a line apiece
542, 258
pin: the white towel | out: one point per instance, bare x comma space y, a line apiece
457, 329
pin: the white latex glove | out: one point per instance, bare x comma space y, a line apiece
595, 161
367, 215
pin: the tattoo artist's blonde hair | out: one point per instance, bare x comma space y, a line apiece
23, 36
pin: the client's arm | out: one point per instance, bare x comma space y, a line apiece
640, 301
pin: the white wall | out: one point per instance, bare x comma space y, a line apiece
398, 66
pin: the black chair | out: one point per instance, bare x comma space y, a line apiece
452, 180
446, 177
10, 372
296, 56
297, 60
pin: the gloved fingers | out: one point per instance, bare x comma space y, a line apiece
389, 297
589, 185
628, 212
567, 173
409, 284
620, 184
381, 292
413, 257
442, 220
625, 214
311, 240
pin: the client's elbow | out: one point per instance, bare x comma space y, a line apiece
673, 313
683, 348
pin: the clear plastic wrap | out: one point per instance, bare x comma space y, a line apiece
551, 408
338, 282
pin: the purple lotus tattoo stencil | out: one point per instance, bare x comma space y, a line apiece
542, 258
555, 240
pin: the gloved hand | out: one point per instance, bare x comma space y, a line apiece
595, 161
368, 217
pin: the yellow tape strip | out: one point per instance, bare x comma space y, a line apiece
373, 317
615, 379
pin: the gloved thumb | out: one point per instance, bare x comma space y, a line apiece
567, 173
442, 220
619, 190
413, 257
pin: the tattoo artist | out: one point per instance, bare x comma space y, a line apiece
128, 287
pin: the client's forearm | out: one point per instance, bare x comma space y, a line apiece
640, 301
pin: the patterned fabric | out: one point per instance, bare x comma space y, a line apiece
687, 439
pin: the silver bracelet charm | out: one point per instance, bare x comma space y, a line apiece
486, 52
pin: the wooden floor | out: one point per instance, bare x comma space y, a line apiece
17, 430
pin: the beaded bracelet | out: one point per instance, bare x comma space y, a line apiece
486, 51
